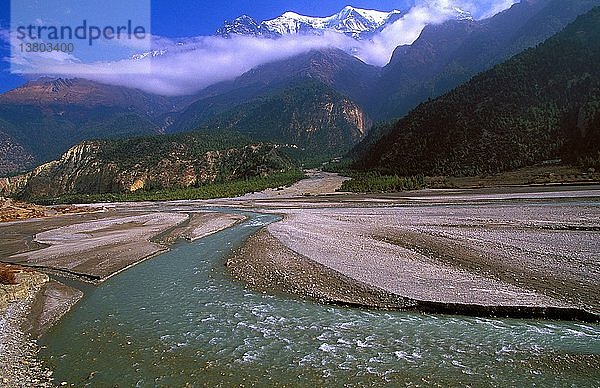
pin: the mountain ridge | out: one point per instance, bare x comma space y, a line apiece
355, 22
306, 114
449, 54
39, 127
542, 104
149, 163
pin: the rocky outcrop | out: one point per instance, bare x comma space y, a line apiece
13, 156
14, 184
97, 167
357, 117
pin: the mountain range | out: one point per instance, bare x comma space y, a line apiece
360, 24
447, 55
541, 105
43, 118
321, 103
355, 22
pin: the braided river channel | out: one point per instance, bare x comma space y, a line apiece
179, 319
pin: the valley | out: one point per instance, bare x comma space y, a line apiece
518, 252
362, 198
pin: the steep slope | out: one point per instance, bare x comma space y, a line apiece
343, 72
447, 55
329, 117
14, 157
48, 116
158, 162
542, 104
307, 114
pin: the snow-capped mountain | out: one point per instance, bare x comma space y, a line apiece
243, 25
361, 24
355, 22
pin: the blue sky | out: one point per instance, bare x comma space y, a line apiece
214, 61
192, 17
181, 18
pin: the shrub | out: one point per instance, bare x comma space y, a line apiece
7, 275
377, 183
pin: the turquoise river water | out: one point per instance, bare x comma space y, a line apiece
180, 320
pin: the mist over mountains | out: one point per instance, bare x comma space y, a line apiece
540, 105
321, 101
186, 65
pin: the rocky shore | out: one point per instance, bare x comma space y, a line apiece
92, 247
19, 366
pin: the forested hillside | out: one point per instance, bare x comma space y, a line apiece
541, 104
448, 55
147, 164
307, 114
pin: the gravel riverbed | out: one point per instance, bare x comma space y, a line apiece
19, 366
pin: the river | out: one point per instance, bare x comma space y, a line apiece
180, 319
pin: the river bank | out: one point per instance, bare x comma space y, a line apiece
90, 247
429, 259
19, 365
526, 251
96, 246
520, 252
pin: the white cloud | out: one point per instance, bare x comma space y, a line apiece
203, 61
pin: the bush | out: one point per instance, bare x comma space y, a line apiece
208, 191
7, 275
376, 183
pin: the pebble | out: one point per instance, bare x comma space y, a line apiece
19, 366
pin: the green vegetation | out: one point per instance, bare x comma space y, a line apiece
543, 104
377, 183
208, 191
296, 115
340, 166
372, 182
149, 149
163, 162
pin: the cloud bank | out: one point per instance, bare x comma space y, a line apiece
180, 67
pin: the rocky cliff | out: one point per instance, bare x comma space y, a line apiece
176, 161
117, 166
307, 114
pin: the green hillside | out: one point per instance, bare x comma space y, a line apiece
542, 104
307, 114
167, 166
